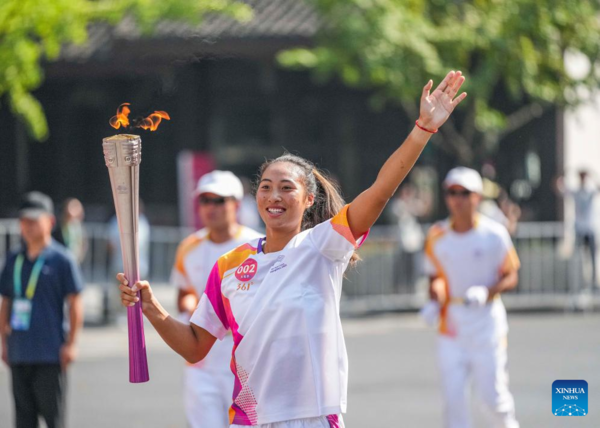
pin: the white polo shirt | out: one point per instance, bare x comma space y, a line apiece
194, 260
584, 209
289, 357
477, 257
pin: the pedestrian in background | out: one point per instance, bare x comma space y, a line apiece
208, 384
471, 260
585, 227
407, 207
70, 231
35, 283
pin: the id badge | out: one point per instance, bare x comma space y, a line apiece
21, 314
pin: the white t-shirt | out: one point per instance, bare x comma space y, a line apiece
289, 357
194, 260
477, 257
584, 209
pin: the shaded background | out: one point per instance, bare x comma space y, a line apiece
227, 96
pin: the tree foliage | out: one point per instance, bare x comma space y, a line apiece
33, 31
515, 47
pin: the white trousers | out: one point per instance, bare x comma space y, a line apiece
486, 364
320, 422
207, 397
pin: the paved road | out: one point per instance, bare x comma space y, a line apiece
393, 382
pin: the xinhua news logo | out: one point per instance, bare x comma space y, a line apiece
570, 398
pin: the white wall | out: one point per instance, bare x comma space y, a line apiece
582, 140
582, 126
582, 151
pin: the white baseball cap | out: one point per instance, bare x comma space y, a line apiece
222, 183
465, 177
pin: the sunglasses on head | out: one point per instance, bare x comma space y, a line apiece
461, 193
205, 200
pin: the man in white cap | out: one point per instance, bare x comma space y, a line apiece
470, 261
209, 383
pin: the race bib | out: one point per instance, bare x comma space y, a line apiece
21, 314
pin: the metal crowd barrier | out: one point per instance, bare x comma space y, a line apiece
550, 277
386, 279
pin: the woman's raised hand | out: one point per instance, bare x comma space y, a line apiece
437, 106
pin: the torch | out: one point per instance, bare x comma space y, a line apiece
123, 154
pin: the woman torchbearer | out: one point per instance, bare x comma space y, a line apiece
279, 295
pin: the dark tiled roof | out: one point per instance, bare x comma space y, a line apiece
272, 19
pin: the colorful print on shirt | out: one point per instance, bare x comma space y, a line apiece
195, 258
289, 356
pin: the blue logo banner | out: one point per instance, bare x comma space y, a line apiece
570, 398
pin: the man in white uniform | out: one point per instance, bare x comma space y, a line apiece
209, 383
470, 261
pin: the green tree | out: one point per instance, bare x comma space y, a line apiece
514, 47
33, 31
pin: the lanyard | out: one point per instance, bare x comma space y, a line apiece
33, 278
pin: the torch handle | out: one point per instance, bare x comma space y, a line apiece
138, 363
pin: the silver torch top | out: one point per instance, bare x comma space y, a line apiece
122, 150
122, 154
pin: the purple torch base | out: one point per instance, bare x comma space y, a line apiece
138, 363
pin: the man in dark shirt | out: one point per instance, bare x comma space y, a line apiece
34, 284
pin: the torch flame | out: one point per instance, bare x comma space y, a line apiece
151, 122
121, 118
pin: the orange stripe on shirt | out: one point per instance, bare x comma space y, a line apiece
340, 224
186, 246
511, 261
436, 232
235, 257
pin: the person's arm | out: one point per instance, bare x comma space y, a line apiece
437, 289
432, 268
509, 269
190, 341
434, 111
508, 281
187, 300
5, 325
559, 186
68, 352
6, 291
